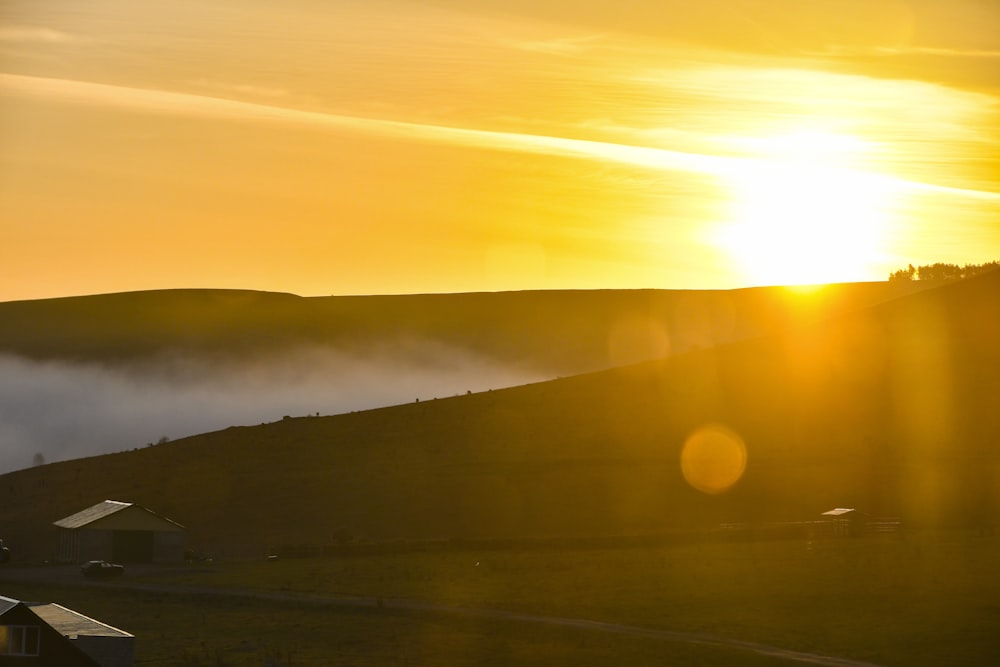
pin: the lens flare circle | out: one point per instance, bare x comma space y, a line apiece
713, 459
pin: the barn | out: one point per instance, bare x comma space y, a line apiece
122, 532
50, 635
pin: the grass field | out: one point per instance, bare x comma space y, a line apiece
178, 630
903, 599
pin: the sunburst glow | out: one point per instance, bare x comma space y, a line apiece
805, 213
320, 148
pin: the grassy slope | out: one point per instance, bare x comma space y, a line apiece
187, 631
891, 410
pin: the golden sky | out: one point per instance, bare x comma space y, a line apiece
398, 146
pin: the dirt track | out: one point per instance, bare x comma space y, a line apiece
71, 576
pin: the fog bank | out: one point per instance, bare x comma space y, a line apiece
65, 410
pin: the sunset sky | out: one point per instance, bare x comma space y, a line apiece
400, 146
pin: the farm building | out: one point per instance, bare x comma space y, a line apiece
50, 635
108, 646
844, 521
117, 531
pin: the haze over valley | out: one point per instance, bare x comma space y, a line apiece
68, 410
99, 374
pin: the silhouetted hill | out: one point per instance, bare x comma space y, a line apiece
90, 375
560, 332
891, 410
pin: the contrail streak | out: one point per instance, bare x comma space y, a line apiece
187, 104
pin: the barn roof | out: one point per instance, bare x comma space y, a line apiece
839, 511
72, 623
109, 508
91, 514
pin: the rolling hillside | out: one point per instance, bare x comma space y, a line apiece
890, 409
558, 332
90, 375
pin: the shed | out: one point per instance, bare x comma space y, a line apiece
118, 531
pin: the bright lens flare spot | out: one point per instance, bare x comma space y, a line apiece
713, 459
805, 213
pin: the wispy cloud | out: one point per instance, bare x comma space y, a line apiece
560, 46
169, 102
35, 35
241, 88
905, 50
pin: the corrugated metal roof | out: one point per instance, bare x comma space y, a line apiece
838, 511
116, 515
91, 514
71, 623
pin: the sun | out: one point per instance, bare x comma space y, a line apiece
802, 211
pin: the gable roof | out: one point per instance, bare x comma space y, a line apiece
839, 511
6, 604
60, 628
91, 514
71, 623
109, 508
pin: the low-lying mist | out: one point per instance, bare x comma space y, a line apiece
54, 411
